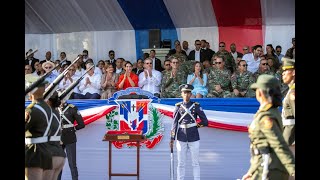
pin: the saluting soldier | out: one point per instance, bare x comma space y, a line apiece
70, 114
271, 157
288, 107
185, 130
38, 117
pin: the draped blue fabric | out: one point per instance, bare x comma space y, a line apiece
146, 14
241, 105
142, 41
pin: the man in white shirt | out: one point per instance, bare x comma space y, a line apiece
89, 85
150, 79
68, 79
253, 59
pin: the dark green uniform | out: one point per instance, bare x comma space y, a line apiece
265, 133
37, 124
288, 115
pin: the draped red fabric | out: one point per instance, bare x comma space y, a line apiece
239, 22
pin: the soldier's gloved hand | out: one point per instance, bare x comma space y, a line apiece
171, 144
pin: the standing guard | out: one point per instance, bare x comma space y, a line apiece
69, 114
185, 130
288, 111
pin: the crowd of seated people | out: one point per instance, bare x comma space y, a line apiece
220, 74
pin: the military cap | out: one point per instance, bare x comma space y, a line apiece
30, 79
30, 51
287, 63
266, 81
186, 87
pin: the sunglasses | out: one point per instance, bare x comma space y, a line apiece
198, 44
244, 65
265, 64
278, 51
218, 62
221, 46
148, 63
48, 67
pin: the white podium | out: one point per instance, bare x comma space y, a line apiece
160, 53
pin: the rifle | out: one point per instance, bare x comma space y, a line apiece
40, 80
67, 92
54, 85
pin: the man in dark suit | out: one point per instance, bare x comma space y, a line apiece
198, 54
63, 56
112, 58
30, 60
234, 52
155, 61
48, 57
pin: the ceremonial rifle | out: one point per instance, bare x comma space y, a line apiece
67, 92
40, 80
54, 85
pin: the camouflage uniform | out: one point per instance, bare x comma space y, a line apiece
229, 61
258, 73
170, 86
242, 83
187, 67
271, 157
222, 78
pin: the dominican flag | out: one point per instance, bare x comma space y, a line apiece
133, 115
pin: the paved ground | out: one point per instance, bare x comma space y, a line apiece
224, 156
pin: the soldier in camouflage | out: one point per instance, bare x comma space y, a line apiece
263, 69
229, 61
219, 80
172, 80
241, 81
271, 157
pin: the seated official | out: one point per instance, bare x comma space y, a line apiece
150, 79
128, 78
89, 85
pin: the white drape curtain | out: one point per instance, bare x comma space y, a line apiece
279, 35
98, 43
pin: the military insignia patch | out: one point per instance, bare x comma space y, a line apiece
267, 122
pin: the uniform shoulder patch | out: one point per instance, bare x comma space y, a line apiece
31, 105
178, 104
266, 122
71, 105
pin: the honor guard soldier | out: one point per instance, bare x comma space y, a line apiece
288, 103
271, 157
38, 117
69, 114
185, 130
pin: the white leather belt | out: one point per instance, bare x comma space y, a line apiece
36, 140
288, 122
67, 126
188, 125
54, 138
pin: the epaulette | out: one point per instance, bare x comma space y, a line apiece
30, 105
71, 105
196, 103
293, 86
178, 104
